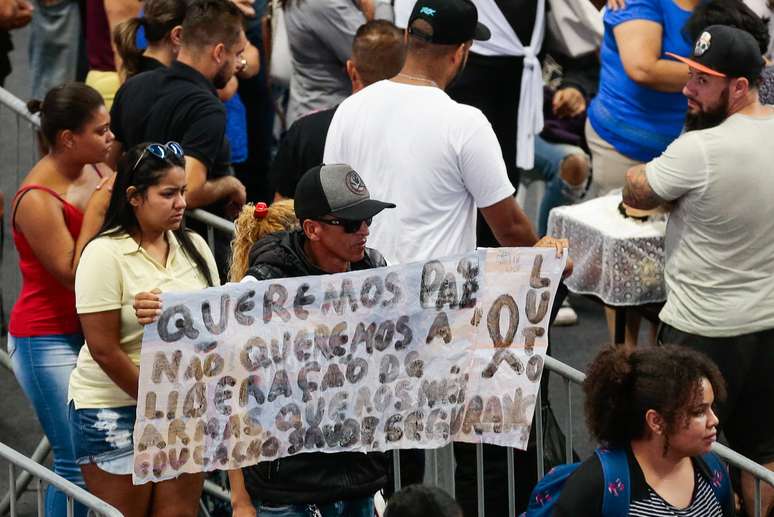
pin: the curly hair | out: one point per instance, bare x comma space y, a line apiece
248, 229
422, 501
623, 383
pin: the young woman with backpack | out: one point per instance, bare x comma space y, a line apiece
651, 408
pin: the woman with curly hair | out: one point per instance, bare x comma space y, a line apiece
656, 405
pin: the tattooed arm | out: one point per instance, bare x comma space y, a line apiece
637, 192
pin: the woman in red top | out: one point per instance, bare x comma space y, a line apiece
58, 208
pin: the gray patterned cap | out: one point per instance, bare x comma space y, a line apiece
335, 189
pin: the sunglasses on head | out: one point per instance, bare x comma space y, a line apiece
160, 151
348, 225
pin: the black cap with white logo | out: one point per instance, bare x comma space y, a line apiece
725, 51
451, 22
335, 189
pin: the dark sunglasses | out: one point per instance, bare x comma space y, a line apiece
348, 225
160, 151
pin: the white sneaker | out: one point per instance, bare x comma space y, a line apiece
566, 316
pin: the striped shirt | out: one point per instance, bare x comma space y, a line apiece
703, 503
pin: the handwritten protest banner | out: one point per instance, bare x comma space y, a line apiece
411, 356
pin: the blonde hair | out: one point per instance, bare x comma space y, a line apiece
248, 229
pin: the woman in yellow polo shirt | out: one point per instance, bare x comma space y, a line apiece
143, 245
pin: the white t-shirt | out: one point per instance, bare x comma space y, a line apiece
437, 160
720, 236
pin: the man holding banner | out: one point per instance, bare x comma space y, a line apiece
335, 209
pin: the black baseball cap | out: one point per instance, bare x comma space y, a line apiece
452, 22
725, 51
335, 189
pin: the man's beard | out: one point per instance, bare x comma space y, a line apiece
705, 119
222, 77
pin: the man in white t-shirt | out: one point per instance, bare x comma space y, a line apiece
440, 159
720, 236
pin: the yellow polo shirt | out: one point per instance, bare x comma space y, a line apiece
111, 272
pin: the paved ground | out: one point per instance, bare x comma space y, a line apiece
18, 426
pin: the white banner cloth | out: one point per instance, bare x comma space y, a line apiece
411, 356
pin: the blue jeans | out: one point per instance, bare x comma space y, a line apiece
548, 162
353, 508
54, 46
42, 365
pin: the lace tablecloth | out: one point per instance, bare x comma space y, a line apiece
618, 259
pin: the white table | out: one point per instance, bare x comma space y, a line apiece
617, 260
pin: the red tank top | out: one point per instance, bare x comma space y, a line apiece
44, 307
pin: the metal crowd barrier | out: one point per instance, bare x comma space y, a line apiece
440, 463
43, 475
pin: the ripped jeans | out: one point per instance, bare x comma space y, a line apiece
549, 157
103, 436
42, 365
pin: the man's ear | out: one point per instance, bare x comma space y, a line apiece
354, 76
311, 229
176, 36
740, 87
219, 53
459, 54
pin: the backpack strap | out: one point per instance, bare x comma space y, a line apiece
617, 491
714, 471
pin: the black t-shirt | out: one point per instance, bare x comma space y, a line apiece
582, 494
521, 16
179, 104
148, 64
301, 148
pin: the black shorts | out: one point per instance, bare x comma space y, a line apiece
747, 364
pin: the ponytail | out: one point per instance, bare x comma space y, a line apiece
125, 40
254, 223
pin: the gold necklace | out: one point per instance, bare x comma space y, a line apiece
419, 79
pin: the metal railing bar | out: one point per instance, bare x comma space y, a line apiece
564, 370
396, 469
38, 456
40, 499
436, 462
215, 490
69, 488
539, 435
18, 106
758, 508
203, 508
480, 479
737, 460
5, 360
568, 423
511, 481
211, 220
12, 488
